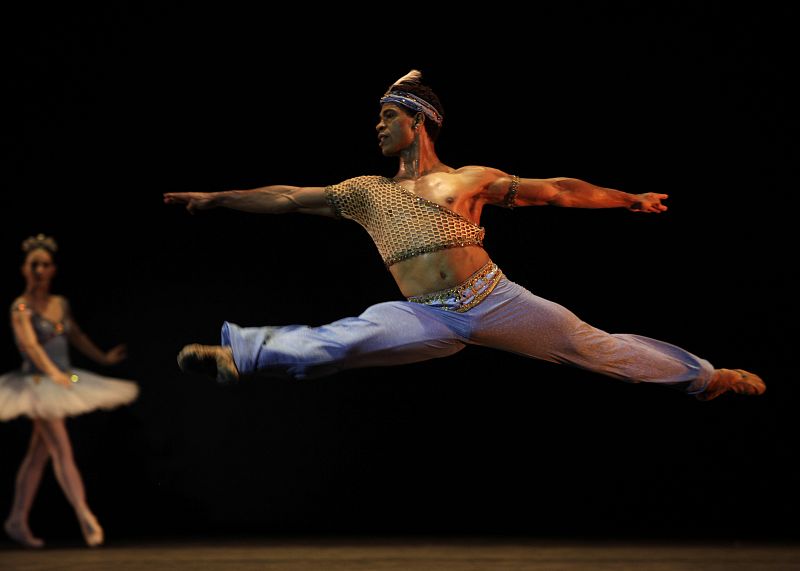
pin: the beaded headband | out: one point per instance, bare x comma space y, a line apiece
39, 241
409, 99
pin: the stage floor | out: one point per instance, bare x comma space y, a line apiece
406, 555
478, 554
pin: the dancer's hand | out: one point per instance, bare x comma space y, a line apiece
192, 200
116, 354
649, 202
61, 378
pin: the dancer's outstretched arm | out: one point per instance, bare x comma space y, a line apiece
571, 193
277, 199
81, 341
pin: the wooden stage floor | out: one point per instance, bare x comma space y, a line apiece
430, 554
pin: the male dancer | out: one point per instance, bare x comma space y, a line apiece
425, 223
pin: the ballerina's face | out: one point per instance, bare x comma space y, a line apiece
38, 268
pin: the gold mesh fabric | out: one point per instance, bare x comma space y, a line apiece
401, 224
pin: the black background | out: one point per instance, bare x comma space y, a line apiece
107, 109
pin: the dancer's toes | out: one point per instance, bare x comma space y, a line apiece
198, 359
92, 532
212, 361
748, 383
22, 535
736, 380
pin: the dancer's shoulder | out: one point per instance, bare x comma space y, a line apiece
20, 305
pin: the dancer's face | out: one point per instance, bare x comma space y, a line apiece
395, 129
38, 268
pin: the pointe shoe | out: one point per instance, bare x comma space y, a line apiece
92, 532
735, 380
22, 535
212, 361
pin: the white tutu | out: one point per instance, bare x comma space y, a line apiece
38, 396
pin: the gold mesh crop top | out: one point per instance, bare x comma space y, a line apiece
401, 224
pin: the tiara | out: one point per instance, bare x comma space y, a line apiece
39, 241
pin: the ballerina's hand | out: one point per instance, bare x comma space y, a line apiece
116, 354
62, 378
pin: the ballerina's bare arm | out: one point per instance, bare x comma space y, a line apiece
84, 344
81, 341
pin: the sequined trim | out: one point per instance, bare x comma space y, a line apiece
511, 196
332, 202
414, 102
410, 253
467, 294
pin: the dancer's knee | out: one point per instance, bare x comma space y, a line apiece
53, 434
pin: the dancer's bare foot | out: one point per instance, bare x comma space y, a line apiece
212, 361
20, 533
92, 532
736, 380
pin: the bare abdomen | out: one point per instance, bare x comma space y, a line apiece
444, 269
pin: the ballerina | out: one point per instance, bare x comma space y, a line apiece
47, 389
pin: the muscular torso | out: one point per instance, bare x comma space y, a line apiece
462, 191
444, 269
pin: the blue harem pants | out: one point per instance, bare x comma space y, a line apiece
510, 318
